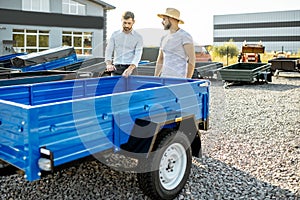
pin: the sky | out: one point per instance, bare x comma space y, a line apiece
197, 15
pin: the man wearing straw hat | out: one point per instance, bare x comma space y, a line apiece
176, 56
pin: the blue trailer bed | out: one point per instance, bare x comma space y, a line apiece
44, 125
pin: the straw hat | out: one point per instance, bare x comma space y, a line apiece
173, 13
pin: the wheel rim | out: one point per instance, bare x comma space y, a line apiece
172, 166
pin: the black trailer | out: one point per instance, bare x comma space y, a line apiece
94, 65
285, 64
18, 78
202, 69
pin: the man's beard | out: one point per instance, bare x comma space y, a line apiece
126, 29
167, 26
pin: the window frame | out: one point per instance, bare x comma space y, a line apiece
67, 6
83, 46
28, 5
26, 33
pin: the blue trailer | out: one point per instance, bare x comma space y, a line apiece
50, 59
42, 56
50, 65
153, 119
5, 61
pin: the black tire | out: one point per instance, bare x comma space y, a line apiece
167, 175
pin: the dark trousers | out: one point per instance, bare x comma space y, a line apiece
120, 69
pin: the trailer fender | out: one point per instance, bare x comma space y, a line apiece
146, 131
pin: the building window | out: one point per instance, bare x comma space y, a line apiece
36, 5
73, 8
30, 40
81, 41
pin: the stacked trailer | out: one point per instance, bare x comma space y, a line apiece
52, 62
60, 58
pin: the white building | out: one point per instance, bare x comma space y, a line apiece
276, 30
36, 25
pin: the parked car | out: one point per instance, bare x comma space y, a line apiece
202, 53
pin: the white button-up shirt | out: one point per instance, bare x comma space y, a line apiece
124, 48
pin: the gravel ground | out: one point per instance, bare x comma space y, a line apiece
251, 151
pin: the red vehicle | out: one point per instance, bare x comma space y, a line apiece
251, 53
202, 53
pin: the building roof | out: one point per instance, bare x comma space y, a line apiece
104, 4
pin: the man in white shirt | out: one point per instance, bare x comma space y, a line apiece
124, 49
176, 56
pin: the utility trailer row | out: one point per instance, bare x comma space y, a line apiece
249, 72
65, 59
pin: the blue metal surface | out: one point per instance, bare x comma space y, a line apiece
72, 59
48, 55
5, 61
9, 56
77, 118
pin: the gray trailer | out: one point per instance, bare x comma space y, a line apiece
206, 69
246, 73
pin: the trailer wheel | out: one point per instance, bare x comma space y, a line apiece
170, 167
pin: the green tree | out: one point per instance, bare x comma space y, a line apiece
227, 49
